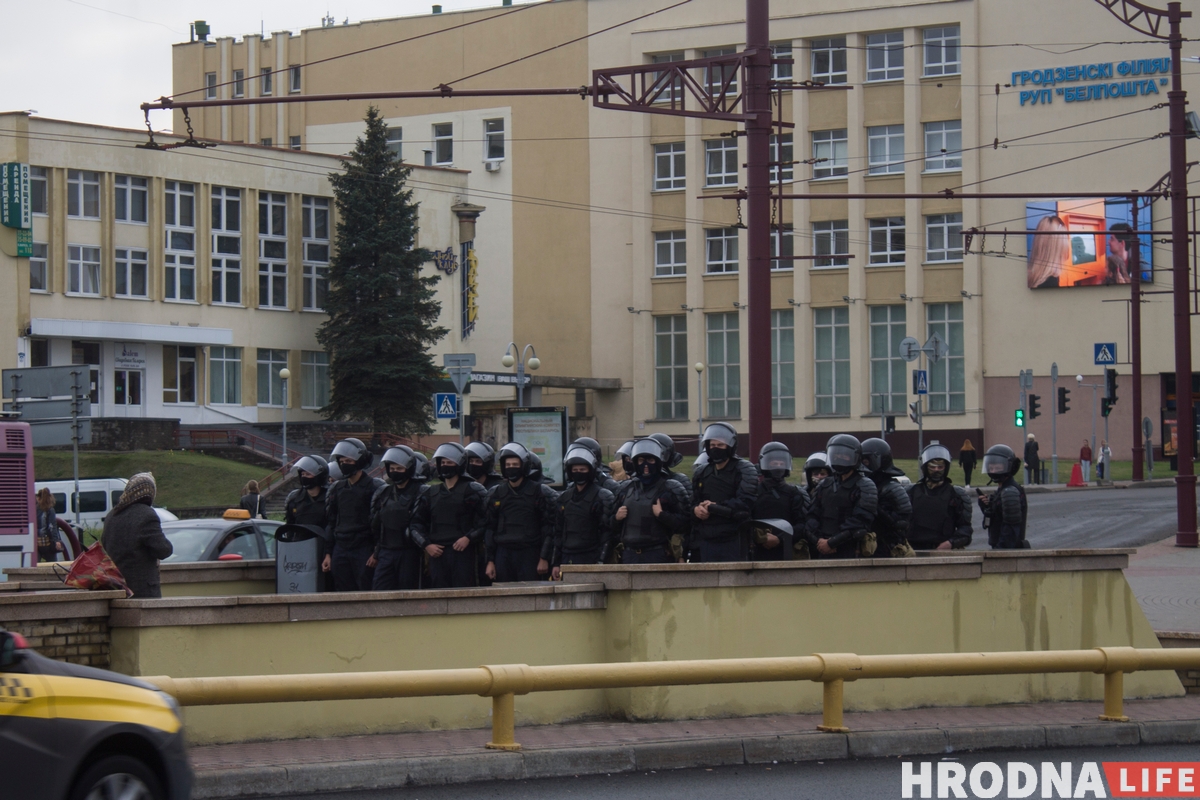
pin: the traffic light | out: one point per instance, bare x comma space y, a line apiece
1019, 418
914, 412
1034, 405
1110, 385
1064, 399
1105, 406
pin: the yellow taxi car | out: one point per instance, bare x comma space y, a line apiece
69, 732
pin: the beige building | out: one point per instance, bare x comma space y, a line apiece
624, 265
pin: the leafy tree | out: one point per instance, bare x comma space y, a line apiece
382, 312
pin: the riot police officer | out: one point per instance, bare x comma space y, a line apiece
1004, 510
397, 559
941, 511
583, 527
625, 454
520, 519
672, 460
651, 519
603, 476
348, 516
777, 499
306, 506
724, 492
894, 510
448, 520
844, 504
816, 469
481, 464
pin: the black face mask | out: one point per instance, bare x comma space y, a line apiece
397, 476
448, 470
649, 471
348, 470
779, 473
310, 483
514, 473
476, 470
581, 478
718, 455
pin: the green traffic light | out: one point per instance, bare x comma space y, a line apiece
1019, 418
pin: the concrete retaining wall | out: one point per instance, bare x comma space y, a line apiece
1190, 678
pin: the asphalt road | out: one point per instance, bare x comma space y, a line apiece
873, 779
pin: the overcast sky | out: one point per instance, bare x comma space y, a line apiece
98, 60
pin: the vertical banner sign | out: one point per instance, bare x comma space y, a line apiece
24, 243
15, 211
470, 288
543, 431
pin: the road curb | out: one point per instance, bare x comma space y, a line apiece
393, 773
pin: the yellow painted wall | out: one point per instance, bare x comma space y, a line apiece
217, 588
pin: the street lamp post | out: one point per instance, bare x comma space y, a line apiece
532, 360
699, 367
284, 374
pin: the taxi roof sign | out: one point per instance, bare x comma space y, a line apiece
236, 513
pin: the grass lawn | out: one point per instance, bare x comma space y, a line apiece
184, 479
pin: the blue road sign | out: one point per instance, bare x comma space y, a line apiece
1106, 352
920, 381
445, 405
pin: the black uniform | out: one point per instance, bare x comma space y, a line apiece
778, 499
301, 508
348, 524
583, 527
842, 512
645, 538
892, 515
1004, 516
683, 480
443, 516
939, 514
732, 491
520, 529
397, 555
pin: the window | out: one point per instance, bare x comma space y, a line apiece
724, 367
39, 352
83, 194
888, 390
294, 78
943, 145
831, 335
885, 150
239, 83
315, 233
829, 60
443, 143
721, 162
294, 142
270, 385
783, 363
179, 373
314, 379
132, 271
395, 141
39, 278
830, 152
943, 237
210, 86
265, 74
266, 141
721, 250
946, 378
127, 387
831, 243
179, 281
781, 72
83, 270
669, 166
782, 247
670, 367
885, 56
782, 154
493, 140
670, 253
272, 250
226, 245
886, 240
88, 353
715, 76
941, 51
39, 190
132, 198
225, 376
674, 91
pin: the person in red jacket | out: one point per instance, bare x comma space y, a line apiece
1085, 461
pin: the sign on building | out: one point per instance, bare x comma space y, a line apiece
543, 430
15, 210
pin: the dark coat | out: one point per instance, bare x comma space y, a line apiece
1031, 453
134, 540
254, 504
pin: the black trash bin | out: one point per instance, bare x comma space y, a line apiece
298, 551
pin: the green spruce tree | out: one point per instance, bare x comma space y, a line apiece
382, 312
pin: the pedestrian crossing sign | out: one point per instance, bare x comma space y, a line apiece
920, 381
1106, 352
445, 405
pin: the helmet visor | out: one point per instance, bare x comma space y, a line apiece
647, 447
578, 454
399, 457
513, 450
842, 456
996, 465
775, 459
452, 452
310, 465
719, 433
346, 450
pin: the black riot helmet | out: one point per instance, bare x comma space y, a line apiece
1000, 462
877, 458
335, 472
354, 450
935, 451
700, 463
422, 469
592, 445
671, 459
402, 457
719, 432
844, 453
775, 460
625, 453
454, 453
484, 452
316, 466
580, 456
535, 468
647, 459
518, 451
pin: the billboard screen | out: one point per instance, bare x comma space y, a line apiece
1084, 242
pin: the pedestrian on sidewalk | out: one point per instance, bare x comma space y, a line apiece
1032, 461
966, 460
1102, 466
1085, 461
252, 501
133, 537
49, 544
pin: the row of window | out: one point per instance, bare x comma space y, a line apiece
441, 152
831, 362
886, 245
266, 76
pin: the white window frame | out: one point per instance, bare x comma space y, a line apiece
714, 77
126, 188
314, 379
268, 368
783, 363
39, 179
294, 143
943, 51
181, 354
128, 263
886, 242
783, 243
210, 86
226, 253
272, 250
834, 147
179, 259
782, 72
886, 326
294, 78
443, 143
395, 141
833, 52
947, 378
831, 244
83, 192
675, 91
721, 162
225, 376
83, 270
835, 363
267, 76
493, 140
239, 83
720, 251
722, 350
670, 254
885, 56
785, 153
316, 218
943, 146
885, 150
39, 265
671, 376
670, 166
942, 231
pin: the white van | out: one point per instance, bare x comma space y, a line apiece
97, 496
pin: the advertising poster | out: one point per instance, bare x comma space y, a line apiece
1085, 242
543, 431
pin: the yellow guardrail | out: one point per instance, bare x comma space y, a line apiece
503, 683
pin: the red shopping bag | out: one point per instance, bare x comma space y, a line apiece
95, 570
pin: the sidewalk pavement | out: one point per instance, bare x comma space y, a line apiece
1166, 581
1042, 488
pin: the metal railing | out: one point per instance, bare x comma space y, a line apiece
211, 438
502, 683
